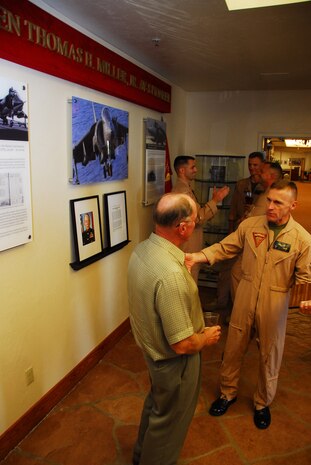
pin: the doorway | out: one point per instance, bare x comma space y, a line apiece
296, 164
293, 154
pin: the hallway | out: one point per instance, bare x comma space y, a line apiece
96, 424
302, 212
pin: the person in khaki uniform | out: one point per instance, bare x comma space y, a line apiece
276, 255
246, 190
269, 173
185, 167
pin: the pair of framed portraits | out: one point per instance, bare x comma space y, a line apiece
87, 226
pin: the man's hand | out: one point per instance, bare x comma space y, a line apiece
212, 335
189, 261
220, 194
196, 342
193, 258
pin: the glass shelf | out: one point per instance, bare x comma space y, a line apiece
219, 168
216, 170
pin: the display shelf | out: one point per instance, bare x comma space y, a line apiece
216, 171
78, 265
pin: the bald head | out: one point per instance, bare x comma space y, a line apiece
171, 209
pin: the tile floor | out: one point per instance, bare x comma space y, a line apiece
96, 423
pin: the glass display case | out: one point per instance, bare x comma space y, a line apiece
216, 171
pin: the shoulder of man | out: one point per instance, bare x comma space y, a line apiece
292, 223
243, 182
253, 221
181, 187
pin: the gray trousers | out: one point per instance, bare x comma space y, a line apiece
168, 409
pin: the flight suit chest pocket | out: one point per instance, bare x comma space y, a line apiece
282, 268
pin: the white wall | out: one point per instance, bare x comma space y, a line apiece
51, 316
233, 123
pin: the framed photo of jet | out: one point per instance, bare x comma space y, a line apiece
99, 142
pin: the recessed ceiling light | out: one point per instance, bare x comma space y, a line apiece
245, 4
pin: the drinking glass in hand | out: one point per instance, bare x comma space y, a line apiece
210, 319
248, 198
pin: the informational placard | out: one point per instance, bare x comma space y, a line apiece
15, 194
155, 142
116, 215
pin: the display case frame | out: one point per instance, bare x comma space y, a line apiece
216, 171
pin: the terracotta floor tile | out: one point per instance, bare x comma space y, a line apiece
202, 406
224, 456
295, 405
73, 437
102, 381
16, 458
126, 354
283, 435
295, 458
204, 435
126, 437
143, 381
97, 423
124, 409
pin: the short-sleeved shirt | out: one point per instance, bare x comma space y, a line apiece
164, 302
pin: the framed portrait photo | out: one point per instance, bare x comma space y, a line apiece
116, 218
86, 227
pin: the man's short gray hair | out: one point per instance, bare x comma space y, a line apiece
171, 209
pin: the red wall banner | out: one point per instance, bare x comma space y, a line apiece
32, 37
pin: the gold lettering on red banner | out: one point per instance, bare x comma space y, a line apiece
10, 22
81, 51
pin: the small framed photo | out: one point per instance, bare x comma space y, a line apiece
86, 226
116, 217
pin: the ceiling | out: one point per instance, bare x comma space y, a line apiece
201, 46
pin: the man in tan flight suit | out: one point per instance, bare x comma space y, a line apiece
246, 192
185, 167
276, 255
269, 173
246, 189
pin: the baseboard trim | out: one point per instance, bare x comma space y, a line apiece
19, 430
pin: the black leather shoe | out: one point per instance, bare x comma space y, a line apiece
262, 418
220, 406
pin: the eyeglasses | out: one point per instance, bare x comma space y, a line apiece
196, 221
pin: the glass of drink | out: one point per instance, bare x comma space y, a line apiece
248, 198
210, 319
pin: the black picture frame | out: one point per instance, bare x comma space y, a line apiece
86, 227
115, 207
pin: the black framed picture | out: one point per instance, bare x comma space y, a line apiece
116, 218
86, 226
